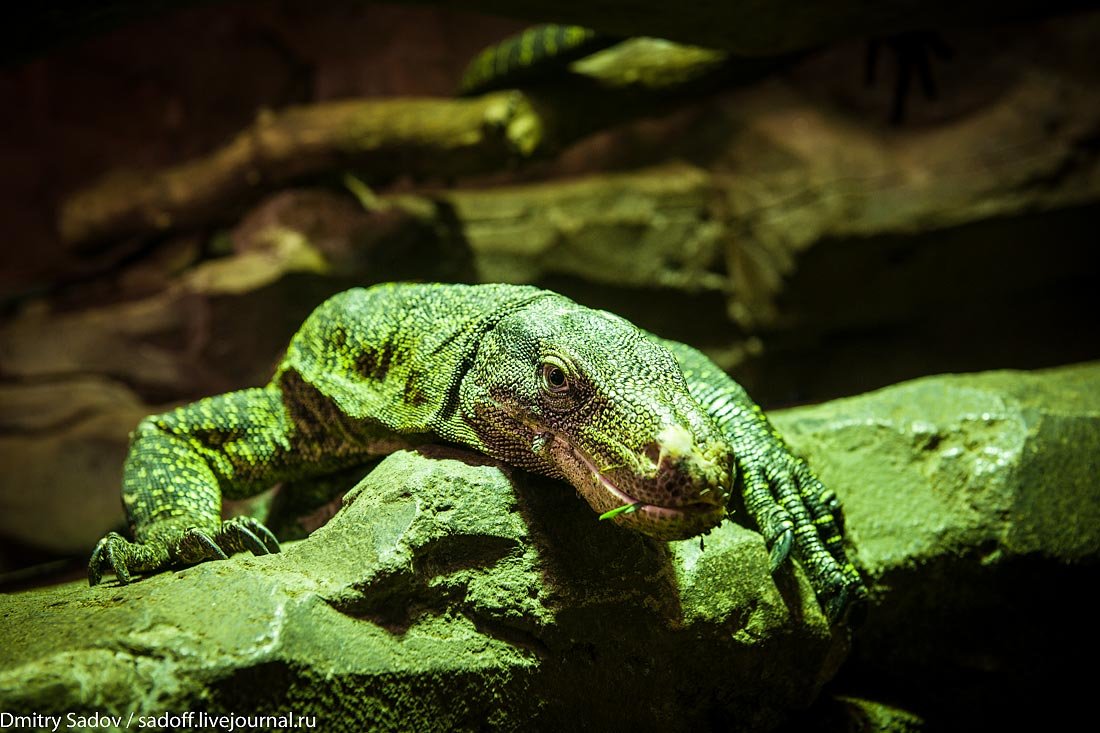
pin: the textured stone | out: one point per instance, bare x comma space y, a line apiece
651, 228
974, 507
446, 595
453, 594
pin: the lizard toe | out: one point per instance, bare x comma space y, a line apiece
265, 535
238, 538
196, 545
796, 518
848, 603
772, 519
780, 549
836, 605
238, 534
829, 499
114, 553
108, 555
247, 533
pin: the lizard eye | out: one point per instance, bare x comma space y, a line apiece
554, 378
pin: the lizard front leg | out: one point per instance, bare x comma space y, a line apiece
791, 507
181, 463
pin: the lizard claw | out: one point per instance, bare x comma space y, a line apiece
120, 556
255, 536
176, 545
788, 501
104, 556
780, 549
829, 500
195, 546
835, 606
239, 534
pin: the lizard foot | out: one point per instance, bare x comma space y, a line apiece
117, 554
176, 545
795, 511
238, 534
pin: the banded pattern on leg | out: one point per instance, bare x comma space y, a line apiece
180, 465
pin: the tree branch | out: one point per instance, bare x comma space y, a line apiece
384, 139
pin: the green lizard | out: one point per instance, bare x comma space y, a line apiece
524, 375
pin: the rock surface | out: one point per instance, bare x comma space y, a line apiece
453, 594
974, 507
447, 595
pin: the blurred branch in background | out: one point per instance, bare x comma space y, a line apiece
773, 174
434, 139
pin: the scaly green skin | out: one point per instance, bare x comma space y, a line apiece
521, 374
529, 55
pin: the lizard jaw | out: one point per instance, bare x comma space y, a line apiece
664, 521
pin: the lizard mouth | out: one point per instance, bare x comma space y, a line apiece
678, 517
667, 520
627, 499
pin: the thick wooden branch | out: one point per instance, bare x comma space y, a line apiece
384, 139
388, 138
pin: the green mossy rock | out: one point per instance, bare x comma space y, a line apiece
448, 594
453, 594
973, 503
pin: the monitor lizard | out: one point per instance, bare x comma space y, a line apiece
650, 432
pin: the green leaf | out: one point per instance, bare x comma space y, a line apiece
624, 509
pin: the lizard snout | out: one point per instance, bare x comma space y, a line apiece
684, 471
678, 487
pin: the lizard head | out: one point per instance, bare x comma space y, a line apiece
584, 395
